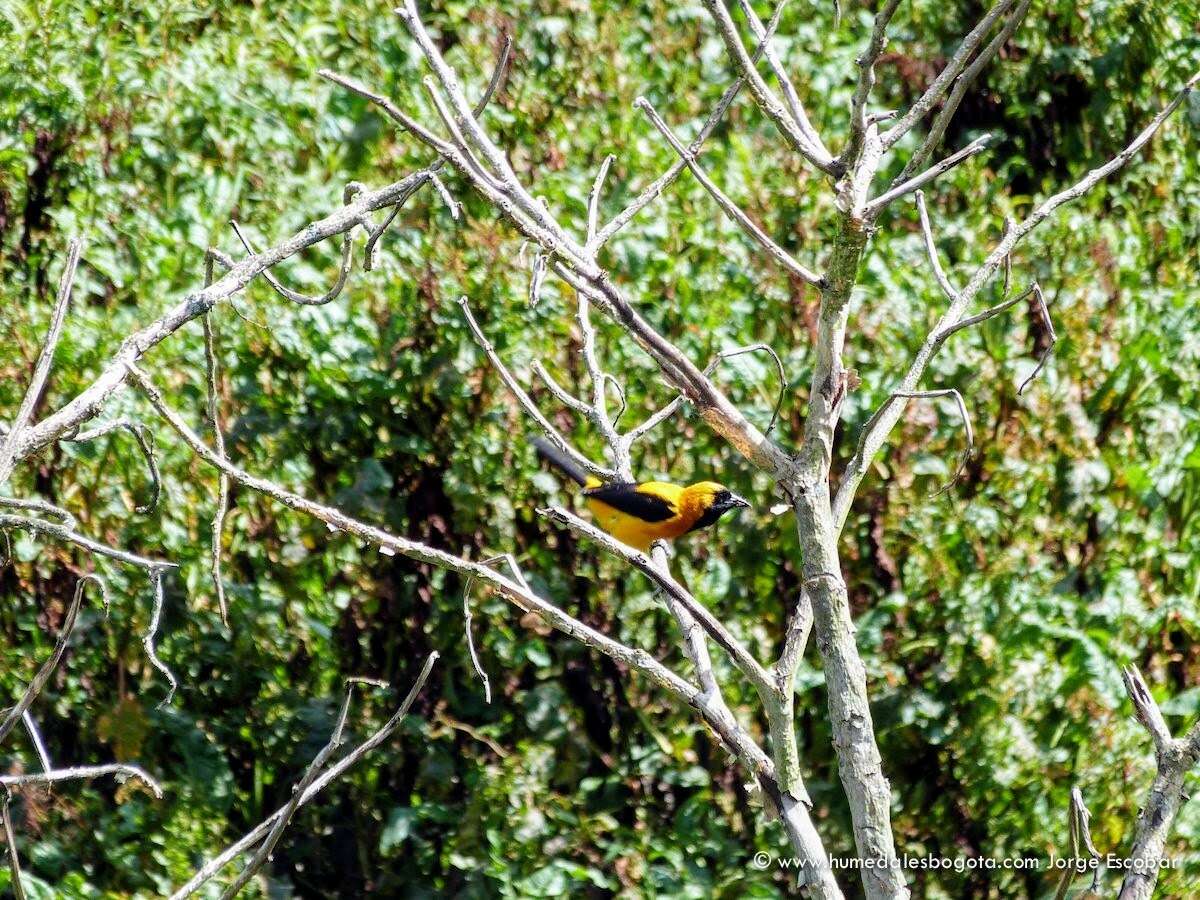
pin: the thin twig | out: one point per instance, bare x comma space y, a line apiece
654, 420
655, 189
757, 348
1079, 837
466, 601
945, 78
730, 208
1049, 326
37, 505
561, 394
992, 311
859, 119
928, 395
791, 97
295, 296
594, 199
931, 250
335, 771
961, 85
152, 631
145, 443
479, 169
35, 738
431, 173
598, 410
47, 669
285, 814
803, 140
974, 148
214, 420
520, 202
14, 861
525, 401
665, 412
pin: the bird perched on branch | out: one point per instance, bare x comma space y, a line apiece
638, 514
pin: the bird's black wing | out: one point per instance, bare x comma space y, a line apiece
626, 497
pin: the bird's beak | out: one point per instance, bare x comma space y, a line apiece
735, 501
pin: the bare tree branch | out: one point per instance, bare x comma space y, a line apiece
9, 449
992, 311
294, 296
654, 420
791, 97
1175, 757
574, 264
966, 420
38, 505
35, 738
89, 402
873, 440
1044, 311
303, 795
804, 140
931, 249
1079, 836
561, 394
217, 528
655, 189
738, 654
593, 219
1145, 708
665, 412
757, 348
469, 582
72, 537
866, 81
75, 773
431, 173
961, 85
152, 632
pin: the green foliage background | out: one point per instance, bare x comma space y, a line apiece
993, 620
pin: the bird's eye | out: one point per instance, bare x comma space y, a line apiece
722, 496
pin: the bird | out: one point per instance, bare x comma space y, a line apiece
639, 513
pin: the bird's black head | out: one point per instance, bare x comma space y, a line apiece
719, 499
725, 500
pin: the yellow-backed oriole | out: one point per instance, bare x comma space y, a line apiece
640, 513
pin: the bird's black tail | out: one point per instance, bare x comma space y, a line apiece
560, 460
